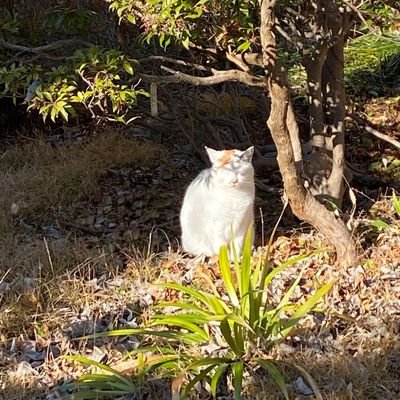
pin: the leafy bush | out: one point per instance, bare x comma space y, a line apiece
95, 79
224, 23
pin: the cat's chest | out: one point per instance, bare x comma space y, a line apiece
231, 199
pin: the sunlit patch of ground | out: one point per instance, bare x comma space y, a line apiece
67, 270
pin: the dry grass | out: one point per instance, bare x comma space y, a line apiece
38, 182
59, 290
38, 179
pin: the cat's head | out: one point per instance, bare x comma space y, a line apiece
232, 167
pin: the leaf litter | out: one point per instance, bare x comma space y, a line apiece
354, 340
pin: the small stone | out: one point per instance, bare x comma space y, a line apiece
24, 368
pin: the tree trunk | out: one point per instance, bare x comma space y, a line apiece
326, 163
303, 204
335, 100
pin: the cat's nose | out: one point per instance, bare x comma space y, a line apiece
235, 181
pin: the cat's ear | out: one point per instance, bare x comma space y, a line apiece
213, 155
248, 154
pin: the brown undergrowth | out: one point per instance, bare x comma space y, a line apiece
39, 179
39, 182
55, 290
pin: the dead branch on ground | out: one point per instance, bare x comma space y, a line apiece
373, 131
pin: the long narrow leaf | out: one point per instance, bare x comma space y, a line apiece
183, 323
244, 273
306, 307
225, 269
167, 334
182, 305
237, 371
227, 334
88, 361
285, 299
213, 303
270, 367
104, 382
198, 377
215, 379
396, 203
239, 337
188, 317
288, 263
208, 361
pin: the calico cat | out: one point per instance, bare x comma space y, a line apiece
219, 203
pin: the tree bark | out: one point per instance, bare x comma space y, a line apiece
303, 204
335, 98
324, 67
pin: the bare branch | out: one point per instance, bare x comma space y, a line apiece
174, 61
237, 59
216, 78
41, 49
373, 131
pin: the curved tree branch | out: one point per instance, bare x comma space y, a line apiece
41, 49
303, 204
217, 77
176, 61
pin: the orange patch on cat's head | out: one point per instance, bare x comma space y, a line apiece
226, 157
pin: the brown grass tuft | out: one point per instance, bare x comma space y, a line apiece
38, 179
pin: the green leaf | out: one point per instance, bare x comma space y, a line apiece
186, 42
306, 307
227, 334
208, 361
184, 306
64, 114
183, 322
167, 334
396, 203
378, 223
53, 113
244, 47
214, 303
288, 263
270, 367
285, 299
88, 361
225, 268
198, 377
237, 370
216, 377
48, 96
128, 67
244, 273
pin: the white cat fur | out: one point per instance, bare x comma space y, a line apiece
218, 203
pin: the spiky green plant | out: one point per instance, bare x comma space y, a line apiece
244, 316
